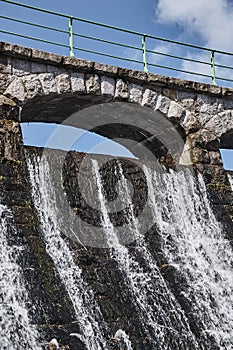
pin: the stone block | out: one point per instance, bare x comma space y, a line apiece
149, 98
215, 158
175, 112
46, 57
107, 86
15, 50
105, 69
21, 67
93, 84
48, 83
221, 123
16, 89
163, 104
77, 82
135, 93
38, 67
77, 64
8, 108
32, 85
122, 90
190, 123
63, 83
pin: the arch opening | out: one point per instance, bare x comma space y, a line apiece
145, 133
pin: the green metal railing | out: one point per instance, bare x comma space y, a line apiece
146, 54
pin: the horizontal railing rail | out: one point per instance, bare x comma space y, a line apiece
147, 59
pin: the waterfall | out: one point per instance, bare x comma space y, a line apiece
150, 292
16, 330
87, 311
193, 242
178, 274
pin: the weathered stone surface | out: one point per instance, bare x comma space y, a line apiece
215, 157
176, 112
170, 93
16, 50
186, 98
122, 90
105, 68
32, 85
190, 123
76, 63
6, 65
149, 98
8, 109
16, 89
21, 67
135, 93
163, 104
221, 123
93, 84
132, 74
107, 86
200, 155
38, 67
46, 57
205, 139
63, 83
48, 83
77, 82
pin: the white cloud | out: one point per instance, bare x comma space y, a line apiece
211, 20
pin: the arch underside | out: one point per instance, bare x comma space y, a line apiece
146, 133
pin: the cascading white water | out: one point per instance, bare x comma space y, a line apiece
147, 284
87, 311
194, 243
120, 334
230, 177
191, 241
16, 329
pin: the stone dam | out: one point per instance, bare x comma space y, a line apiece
113, 253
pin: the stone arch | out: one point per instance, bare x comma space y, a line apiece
141, 119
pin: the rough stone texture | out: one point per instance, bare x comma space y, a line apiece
48, 83
77, 82
28, 74
32, 86
63, 83
149, 98
175, 112
221, 123
122, 90
8, 108
163, 104
93, 84
135, 93
107, 86
16, 90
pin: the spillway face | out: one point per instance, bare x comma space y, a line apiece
116, 254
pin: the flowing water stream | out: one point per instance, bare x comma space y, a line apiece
197, 313
16, 329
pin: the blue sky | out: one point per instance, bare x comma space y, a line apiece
199, 22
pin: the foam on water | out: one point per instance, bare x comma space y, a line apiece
87, 311
16, 329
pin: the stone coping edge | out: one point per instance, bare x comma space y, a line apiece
77, 64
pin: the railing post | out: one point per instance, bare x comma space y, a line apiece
144, 53
213, 69
71, 37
